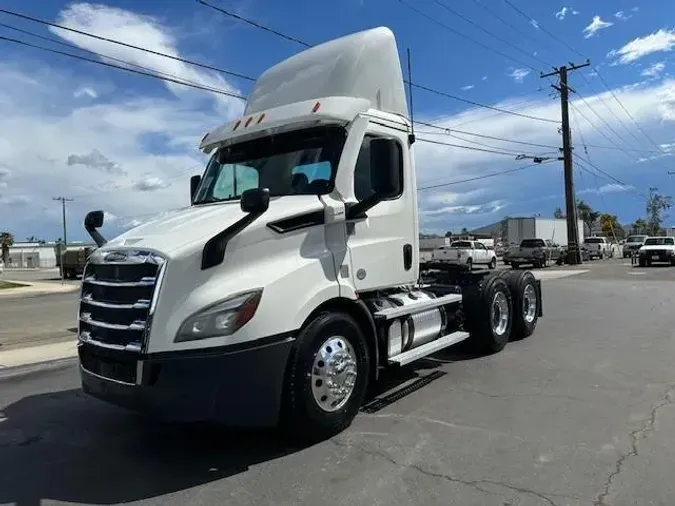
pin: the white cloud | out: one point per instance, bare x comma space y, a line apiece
608, 188
150, 183
654, 70
622, 16
142, 31
661, 40
95, 160
518, 75
85, 91
111, 132
564, 11
596, 25
467, 87
484, 78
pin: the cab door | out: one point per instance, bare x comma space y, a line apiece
381, 245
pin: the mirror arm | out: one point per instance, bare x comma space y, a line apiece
356, 211
96, 236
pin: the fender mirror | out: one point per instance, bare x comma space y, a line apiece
92, 222
255, 200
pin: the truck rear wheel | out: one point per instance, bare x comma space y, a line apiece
327, 378
490, 315
526, 302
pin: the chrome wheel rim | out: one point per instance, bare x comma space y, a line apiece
334, 374
500, 314
529, 303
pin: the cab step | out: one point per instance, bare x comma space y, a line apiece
429, 348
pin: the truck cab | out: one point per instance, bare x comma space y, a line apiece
293, 278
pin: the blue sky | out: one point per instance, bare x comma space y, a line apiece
127, 144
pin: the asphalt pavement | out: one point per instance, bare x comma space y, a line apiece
32, 321
581, 413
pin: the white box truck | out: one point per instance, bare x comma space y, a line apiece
552, 229
292, 279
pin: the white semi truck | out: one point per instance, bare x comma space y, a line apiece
292, 280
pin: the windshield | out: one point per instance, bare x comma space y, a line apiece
636, 238
659, 241
595, 240
532, 243
461, 244
302, 162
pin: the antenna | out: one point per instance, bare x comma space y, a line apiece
411, 137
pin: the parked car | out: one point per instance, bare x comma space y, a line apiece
536, 252
598, 247
633, 244
466, 253
657, 249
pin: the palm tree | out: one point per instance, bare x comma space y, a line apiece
6, 240
639, 226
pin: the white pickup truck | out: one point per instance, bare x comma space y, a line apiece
467, 253
598, 247
657, 249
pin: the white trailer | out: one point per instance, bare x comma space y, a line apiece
552, 229
292, 279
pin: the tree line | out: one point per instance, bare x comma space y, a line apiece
656, 206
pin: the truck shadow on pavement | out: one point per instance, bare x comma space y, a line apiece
66, 446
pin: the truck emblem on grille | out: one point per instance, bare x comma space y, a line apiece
116, 256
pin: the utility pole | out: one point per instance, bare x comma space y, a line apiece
573, 251
63, 201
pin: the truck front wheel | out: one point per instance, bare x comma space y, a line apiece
327, 377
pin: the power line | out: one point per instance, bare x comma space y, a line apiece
457, 32
100, 55
506, 23
479, 178
255, 24
140, 72
536, 24
120, 43
471, 148
425, 88
626, 110
484, 30
471, 102
452, 131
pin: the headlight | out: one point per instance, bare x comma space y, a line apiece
221, 319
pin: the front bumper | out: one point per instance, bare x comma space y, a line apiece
238, 386
657, 255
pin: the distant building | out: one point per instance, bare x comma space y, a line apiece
35, 255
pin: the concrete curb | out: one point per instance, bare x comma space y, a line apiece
32, 288
37, 354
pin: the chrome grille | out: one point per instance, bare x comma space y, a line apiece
116, 303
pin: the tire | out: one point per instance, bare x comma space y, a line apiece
490, 301
469, 264
305, 418
642, 262
526, 303
515, 265
493, 263
559, 261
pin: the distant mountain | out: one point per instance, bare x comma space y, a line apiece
491, 229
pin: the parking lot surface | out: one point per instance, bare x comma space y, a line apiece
581, 413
